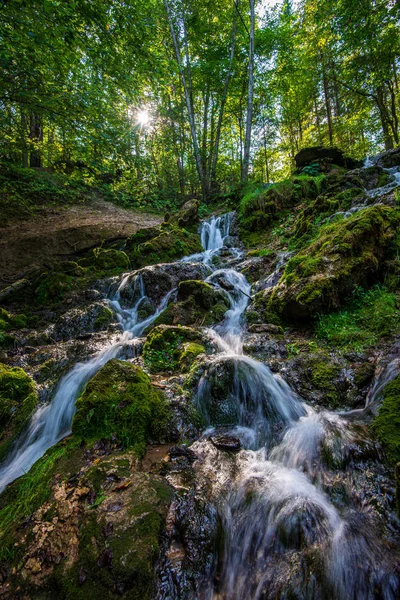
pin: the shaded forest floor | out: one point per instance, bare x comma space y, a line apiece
57, 233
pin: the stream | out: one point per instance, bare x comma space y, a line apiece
273, 495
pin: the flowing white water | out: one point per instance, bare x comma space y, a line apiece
277, 503
51, 422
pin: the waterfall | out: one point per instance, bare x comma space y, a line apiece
277, 504
52, 422
284, 536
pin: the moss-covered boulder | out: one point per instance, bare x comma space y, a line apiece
347, 254
53, 287
120, 402
187, 216
105, 259
7, 322
141, 236
77, 321
84, 522
198, 303
386, 424
170, 348
18, 400
169, 245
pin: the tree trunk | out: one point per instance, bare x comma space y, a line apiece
186, 82
213, 174
327, 101
385, 120
36, 136
24, 127
249, 114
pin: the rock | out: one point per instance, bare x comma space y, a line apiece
198, 303
170, 348
320, 278
158, 280
389, 159
78, 322
179, 451
18, 400
188, 214
265, 328
171, 244
73, 542
371, 177
334, 156
120, 401
226, 442
105, 259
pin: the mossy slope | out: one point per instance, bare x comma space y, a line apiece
18, 400
345, 255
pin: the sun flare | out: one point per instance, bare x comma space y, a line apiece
143, 118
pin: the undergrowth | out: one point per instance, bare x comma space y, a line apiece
370, 316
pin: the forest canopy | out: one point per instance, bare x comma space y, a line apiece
173, 98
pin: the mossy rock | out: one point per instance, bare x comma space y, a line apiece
170, 245
386, 424
141, 236
18, 400
170, 348
53, 287
106, 259
9, 321
187, 216
347, 254
198, 303
120, 401
70, 267
94, 528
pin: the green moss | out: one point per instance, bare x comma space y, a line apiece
323, 375
106, 260
25, 495
166, 346
53, 288
18, 400
189, 353
345, 255
142, 236
171, 244
103, 319
198, 303
386, 424
8, 321
120, 401
367, 318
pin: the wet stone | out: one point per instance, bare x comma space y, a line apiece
226, 442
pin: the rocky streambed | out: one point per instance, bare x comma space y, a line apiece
183, 437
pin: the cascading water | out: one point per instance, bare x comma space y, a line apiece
283, 536
52, 422
276, 509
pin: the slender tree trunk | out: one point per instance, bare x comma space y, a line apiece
186, 82
36, 137
206, 99
24, 127
327, 101
249, 114
317, 120
224, 97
